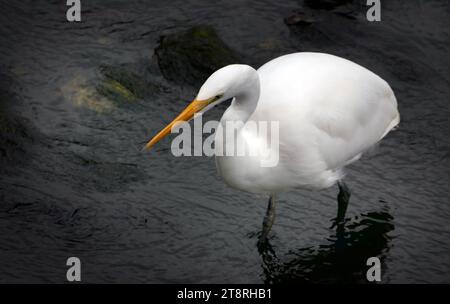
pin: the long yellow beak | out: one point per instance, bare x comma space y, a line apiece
194, 107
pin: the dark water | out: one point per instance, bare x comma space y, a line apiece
74, 183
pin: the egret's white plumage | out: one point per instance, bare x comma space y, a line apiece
329, 109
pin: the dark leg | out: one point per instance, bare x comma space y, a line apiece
343, 199
268, 219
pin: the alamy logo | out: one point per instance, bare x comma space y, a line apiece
74, 11
257, 140
74, 272
374, 272
374, 12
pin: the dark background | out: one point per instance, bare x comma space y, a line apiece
78, 101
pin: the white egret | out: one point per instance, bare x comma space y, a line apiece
330, 111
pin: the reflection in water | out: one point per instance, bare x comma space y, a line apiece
341, 260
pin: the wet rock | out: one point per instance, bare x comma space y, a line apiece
300, 18
114, 90
114, 87
326, 4
121, 85
324, 30
83, 94
189, 57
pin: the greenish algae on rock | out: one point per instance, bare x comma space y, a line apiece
80, 92
121, 85
189, 57
114, 86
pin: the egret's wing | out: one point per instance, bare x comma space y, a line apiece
335, 106
330, 111
353, 120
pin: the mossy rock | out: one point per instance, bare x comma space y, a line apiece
114, 87
80, 91
121, 85
114, 90
189, 57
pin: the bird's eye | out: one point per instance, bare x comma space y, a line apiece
218, 96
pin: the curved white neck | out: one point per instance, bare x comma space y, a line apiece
244, 102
